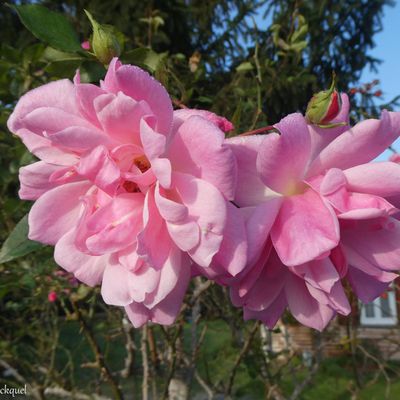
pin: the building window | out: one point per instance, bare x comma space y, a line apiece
381, 312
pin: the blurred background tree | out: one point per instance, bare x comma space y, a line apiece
253, 61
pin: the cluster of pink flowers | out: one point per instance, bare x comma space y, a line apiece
139, 198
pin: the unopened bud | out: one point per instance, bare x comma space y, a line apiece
85, 45
52, 296
324, 106
104, 42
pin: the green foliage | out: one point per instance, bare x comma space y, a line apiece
50, 27
18, 244
145, 58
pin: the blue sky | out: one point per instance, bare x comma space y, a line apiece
388, 50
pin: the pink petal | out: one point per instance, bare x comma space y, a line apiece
306, 228
198, 149
358, 145
304, 307
87, 269
42, 148
232, 255
358, 261
282, 159
120, 117
381, 178
138, 314
250, 190
34, 179
339, 260
138, 84
336, 299
115, 226
100, 168
270, 315
153, 143
154, 242
86, 95
58, 94
182, 115
170, 210
45, 121
110, 83
56, 212
79, 139
161, 168
166, 311
207, 207
121, 286
320, 274
175, 268
268, 286
259, 224
367, 287
364, 206
377, 244
186, 236
352, 205
249, 277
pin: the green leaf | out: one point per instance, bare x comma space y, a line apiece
144, 57
18, 244
244, 67
49, 26
53, 55
237, 116
91, 72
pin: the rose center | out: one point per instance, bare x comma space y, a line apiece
142, 163
130, 187
295, 188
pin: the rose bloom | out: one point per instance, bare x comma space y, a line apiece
130, 192
317, 214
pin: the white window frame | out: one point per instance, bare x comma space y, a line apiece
378, 319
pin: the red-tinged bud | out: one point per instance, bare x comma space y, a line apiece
85, 45
378, 93
324, 106
52, 296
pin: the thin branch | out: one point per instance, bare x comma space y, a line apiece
172, 348
239, 358
99, 357
130, 348
145, 363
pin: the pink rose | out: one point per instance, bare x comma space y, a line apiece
316, 213
130, 192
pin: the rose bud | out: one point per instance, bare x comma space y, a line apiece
104, 41
52, 296
324, 106
85, 45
